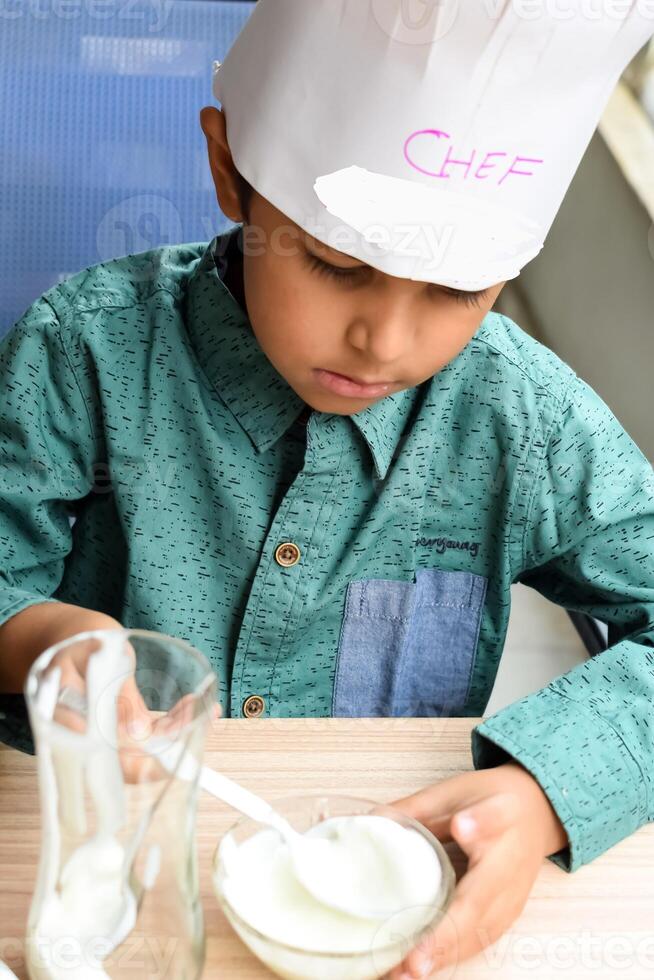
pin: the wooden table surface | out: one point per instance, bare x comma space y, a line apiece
597, 922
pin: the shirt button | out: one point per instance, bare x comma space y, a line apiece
253, 706
287, 554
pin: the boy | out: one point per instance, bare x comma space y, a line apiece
326, 472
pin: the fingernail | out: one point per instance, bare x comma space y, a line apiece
138, 728
466, 824
424, 966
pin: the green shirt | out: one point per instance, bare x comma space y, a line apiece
136, 399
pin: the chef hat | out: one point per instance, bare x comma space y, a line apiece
433, 139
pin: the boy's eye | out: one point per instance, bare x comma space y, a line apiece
466, 297
332, 270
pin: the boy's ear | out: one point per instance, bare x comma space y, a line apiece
223, 171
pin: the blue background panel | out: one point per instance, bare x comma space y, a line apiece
101, 152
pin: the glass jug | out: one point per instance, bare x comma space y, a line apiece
119, 720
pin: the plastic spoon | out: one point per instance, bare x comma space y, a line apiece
315, 859
324, 865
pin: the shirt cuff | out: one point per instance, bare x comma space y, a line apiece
13, 601
581, 763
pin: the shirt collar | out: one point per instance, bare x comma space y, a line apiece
260, 399
382, 425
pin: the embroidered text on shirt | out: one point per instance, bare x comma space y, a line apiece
442, 544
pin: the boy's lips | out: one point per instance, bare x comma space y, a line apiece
342, 384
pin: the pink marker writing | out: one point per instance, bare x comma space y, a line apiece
491, 164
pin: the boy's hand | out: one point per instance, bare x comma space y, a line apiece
135, 721
28, 633
70, 709
504, 822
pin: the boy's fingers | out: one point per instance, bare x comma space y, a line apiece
441, 827
181, 714
434, 804
69, 680
133, 713
434, 807
485, 819
423, 804
69, 718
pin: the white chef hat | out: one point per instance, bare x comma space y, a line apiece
433, 139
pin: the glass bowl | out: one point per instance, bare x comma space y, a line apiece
393, 938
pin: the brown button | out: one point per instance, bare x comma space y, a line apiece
254, 706
287, 554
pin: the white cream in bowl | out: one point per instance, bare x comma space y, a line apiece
375, 862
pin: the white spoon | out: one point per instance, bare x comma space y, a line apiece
314, 858
326, 866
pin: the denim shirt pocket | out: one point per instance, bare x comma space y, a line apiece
407, 649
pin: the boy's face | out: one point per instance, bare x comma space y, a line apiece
341, 333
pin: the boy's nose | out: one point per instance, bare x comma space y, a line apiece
383, 337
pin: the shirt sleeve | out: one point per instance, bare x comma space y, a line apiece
47, 453
588, 545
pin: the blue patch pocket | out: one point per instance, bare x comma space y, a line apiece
407, 649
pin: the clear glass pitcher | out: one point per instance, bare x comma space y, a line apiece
117, 887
